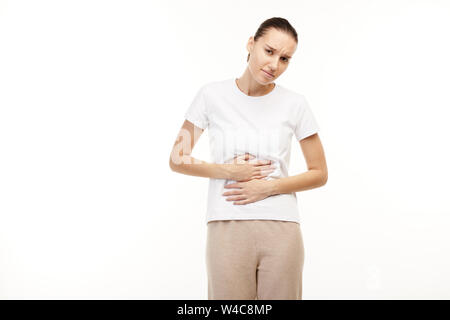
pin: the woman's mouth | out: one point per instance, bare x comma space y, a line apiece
268, 75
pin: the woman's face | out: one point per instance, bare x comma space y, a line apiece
271, 53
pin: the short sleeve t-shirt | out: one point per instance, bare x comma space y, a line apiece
262, 126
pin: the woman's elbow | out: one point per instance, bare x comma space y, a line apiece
324, 177
172, 164
178, 163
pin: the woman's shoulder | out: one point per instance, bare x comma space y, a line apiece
217, 84
292, 97
291, 92
213, 86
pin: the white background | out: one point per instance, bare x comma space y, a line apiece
93, 93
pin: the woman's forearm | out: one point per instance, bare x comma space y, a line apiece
196, 167
304, 181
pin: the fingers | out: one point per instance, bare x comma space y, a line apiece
248, 156
261, 173
233, 185
266, 167
243, 158
230, 193
262, 162
265, 172
236, 198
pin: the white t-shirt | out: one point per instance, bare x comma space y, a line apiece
262, 126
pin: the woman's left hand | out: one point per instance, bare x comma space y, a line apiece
248, 191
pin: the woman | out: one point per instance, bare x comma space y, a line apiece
254, 242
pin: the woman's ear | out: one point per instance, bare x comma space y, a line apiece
250, 44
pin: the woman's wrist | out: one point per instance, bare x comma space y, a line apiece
223, 171
272, 187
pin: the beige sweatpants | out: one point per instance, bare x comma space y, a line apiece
254, 259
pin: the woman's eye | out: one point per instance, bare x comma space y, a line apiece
285, 59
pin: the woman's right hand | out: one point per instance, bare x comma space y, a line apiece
241, 169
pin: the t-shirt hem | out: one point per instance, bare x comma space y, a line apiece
306, 135
193, 120
240, 217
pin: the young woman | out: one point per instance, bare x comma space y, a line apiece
254, 242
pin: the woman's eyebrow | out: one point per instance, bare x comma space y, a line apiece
276, 50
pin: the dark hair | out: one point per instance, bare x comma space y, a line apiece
278, 23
